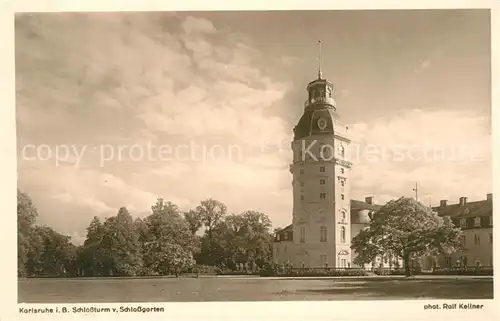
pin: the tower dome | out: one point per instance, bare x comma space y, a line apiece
320, 112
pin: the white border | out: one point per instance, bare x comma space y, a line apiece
357, 310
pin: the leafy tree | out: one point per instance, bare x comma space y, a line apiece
26, 212
169, 257
26, 216
167, 233
92, 256
211, 213
121, 246
52, 254
194, 220
239, 238
408, 229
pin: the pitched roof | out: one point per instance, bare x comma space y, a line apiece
470, 209
360, 205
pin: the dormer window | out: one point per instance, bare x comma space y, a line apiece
329, 92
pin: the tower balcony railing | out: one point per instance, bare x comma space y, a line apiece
320, 100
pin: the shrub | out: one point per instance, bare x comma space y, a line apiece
385, 271
268, 270
230, 272
470, 271
320, 272
205, 269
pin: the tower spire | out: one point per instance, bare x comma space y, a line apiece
320, 75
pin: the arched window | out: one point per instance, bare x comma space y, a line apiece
341, 150
342, 234
343, 215
322, 233
329, 91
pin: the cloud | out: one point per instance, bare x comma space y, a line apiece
170, 80
423, 65
197, 25
439, 149
123, 83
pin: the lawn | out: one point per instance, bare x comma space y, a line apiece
250, 289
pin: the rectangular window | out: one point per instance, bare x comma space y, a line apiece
342, 196
323, 258
322, 182
462, 240
322, 169
322, 196
491, 238
301, 197
477, 222
463, 223
322, 234
476, 239
301, 172
491, 221
302, 234
301, 184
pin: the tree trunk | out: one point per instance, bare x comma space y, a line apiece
406, 258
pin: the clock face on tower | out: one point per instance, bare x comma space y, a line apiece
322, 123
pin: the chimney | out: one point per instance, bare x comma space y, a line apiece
463, 201
489, 197
442, 203
369, 200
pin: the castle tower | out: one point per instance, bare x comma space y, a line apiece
320, 170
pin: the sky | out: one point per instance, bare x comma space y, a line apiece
118, 109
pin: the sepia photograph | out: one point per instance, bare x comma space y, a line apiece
211, 156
